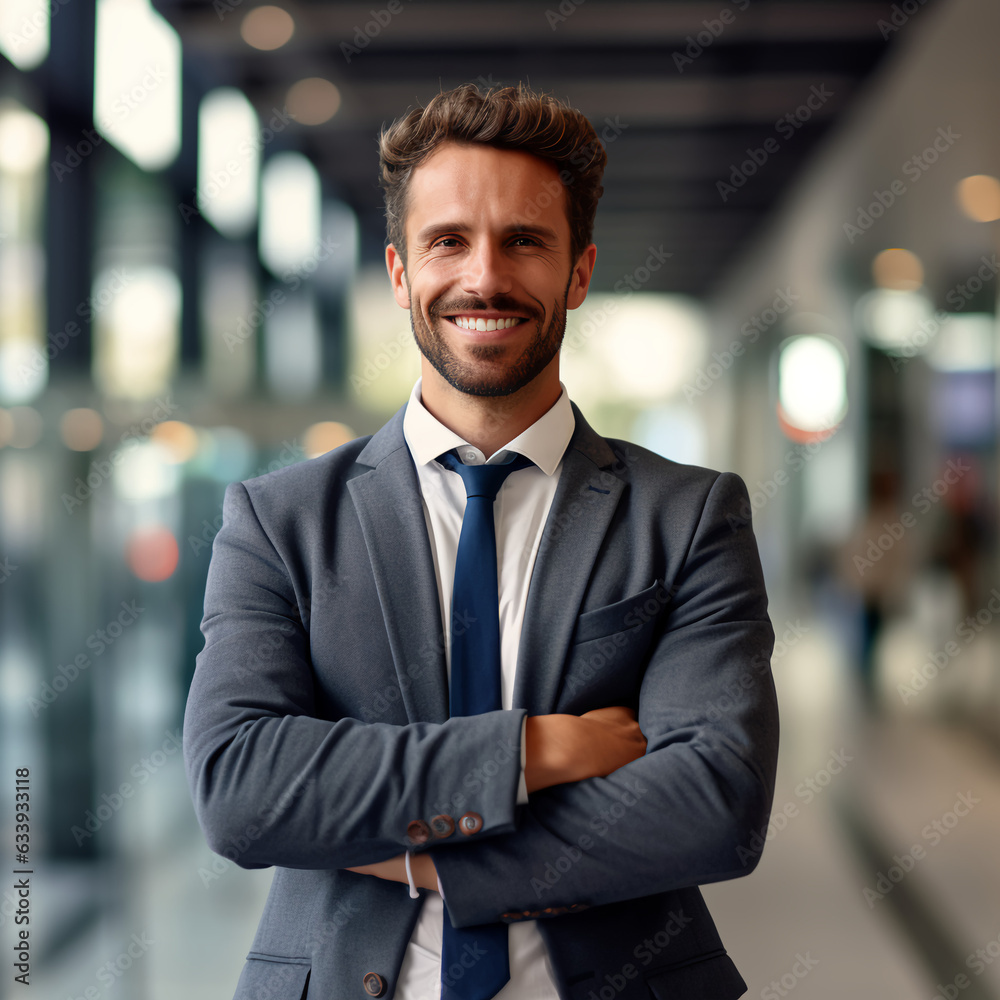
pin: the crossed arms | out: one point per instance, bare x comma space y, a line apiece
653, 803
559, 748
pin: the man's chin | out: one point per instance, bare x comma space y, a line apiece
485, 391
483, 385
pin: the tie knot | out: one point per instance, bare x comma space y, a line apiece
483, 480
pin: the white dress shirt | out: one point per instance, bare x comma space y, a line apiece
519, 510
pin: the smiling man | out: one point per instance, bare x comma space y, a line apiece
486, 687
487, 289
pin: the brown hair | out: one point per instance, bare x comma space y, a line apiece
506, 118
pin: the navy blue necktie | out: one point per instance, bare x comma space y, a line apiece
474, 961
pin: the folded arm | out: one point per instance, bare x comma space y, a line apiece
559, 748
274, 784
679, 814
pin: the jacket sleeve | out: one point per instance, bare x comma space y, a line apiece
273, 784
685, 812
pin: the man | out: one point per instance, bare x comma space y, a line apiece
555, 777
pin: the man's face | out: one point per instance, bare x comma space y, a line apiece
488, 275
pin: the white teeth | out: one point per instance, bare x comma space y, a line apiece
484, 325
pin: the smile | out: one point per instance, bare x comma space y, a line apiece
484, 325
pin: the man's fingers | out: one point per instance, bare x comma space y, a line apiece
611, 714
617, 740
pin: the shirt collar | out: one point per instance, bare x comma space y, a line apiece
544, 442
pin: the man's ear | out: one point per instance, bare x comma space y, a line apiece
397, 276
579, 282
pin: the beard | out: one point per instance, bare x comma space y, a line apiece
486, 372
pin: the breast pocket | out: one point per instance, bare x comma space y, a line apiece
607, 655
270, 977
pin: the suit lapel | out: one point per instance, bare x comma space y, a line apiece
581, 511
388, 504
389, 508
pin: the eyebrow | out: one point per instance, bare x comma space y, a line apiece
429, 233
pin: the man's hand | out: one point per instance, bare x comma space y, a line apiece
560, 748
564, 748
394, 869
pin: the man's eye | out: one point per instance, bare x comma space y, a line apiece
525, 241
447, 241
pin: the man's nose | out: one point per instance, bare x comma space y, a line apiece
487, 271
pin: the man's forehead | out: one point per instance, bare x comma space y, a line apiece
453, 181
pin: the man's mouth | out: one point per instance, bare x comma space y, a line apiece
483, 325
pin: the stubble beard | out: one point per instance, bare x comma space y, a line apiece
483, 375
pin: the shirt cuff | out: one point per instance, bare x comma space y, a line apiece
522, 785
409, 878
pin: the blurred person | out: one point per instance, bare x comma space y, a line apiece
490, 691
878, 563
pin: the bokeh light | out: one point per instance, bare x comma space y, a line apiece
895, 321
228, 161
979, 197
145, 471
137, 69
24, 140
898, 269
267, 27
325, 436
812, 385
24, 31
290, 213
178, 439
152, 553
81, 429
313, 101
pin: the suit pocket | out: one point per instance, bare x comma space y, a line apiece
712, 978
607, 657
271, 977
625, 615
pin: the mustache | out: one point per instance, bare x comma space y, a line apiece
502, 303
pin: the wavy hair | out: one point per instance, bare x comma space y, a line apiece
506, 118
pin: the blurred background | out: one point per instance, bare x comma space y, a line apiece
796, 280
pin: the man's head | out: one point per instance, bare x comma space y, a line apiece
490, 203
507, 118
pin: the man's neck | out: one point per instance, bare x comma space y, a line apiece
489, 422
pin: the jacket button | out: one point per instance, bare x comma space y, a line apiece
470, 823
374, 984
419, 833
443, 825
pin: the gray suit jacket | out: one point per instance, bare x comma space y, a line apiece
317, 733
